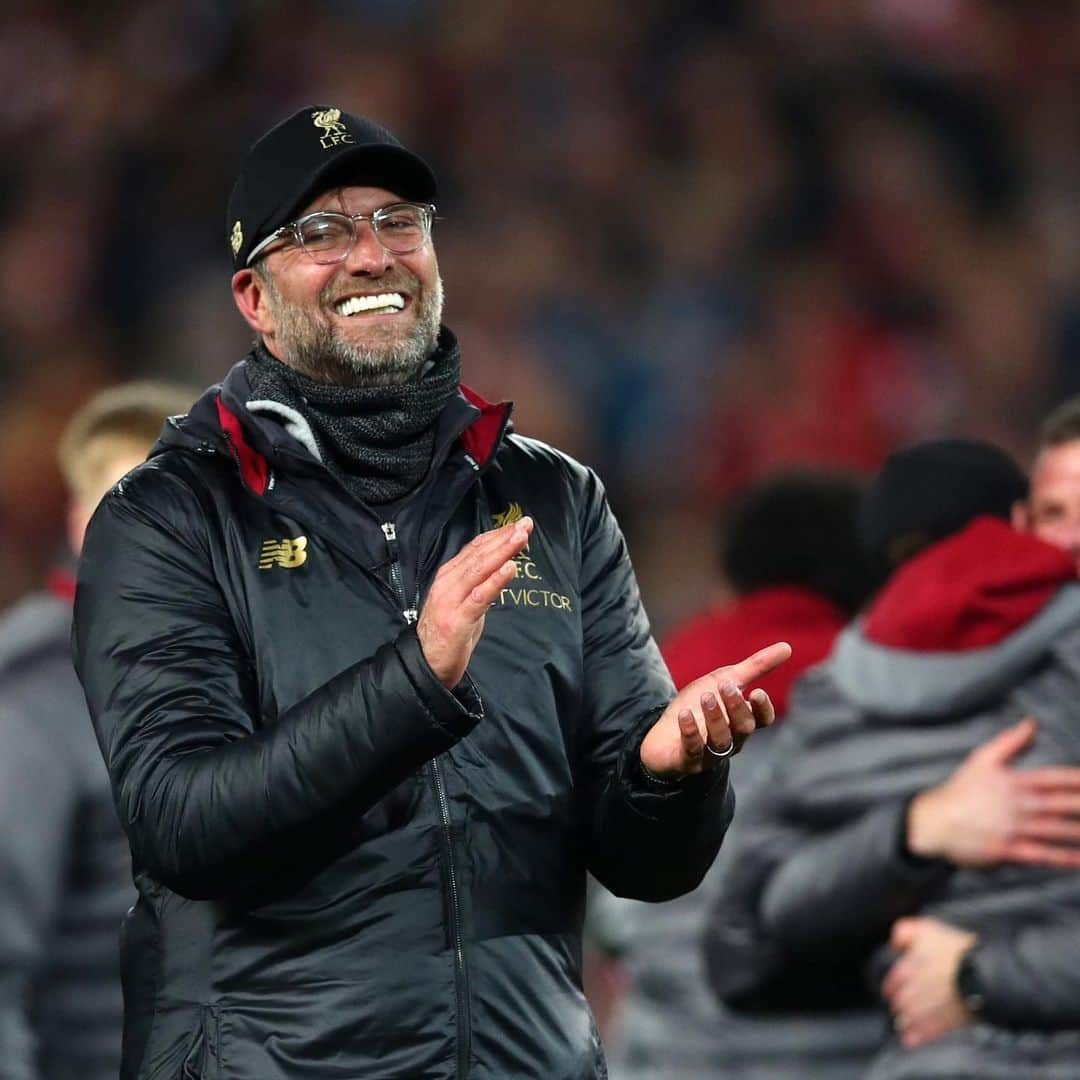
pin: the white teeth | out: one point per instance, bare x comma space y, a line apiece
353, 305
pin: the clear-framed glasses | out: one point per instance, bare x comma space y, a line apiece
328, 236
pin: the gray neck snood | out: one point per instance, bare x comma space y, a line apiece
376, 440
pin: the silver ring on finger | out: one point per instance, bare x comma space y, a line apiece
720, 753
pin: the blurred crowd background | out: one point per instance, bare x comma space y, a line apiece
692, 240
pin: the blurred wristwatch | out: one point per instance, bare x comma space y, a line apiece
968, 984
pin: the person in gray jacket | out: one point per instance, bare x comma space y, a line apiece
925, 702
1023, 973
65, 874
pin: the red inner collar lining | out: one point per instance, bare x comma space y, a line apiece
479, 438
253, 466
482, 435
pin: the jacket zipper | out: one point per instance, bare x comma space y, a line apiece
410, 614
461, 975
464, 1022
395, 592
461, 984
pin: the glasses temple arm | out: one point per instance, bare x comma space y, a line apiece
276, 235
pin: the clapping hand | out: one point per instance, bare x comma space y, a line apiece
464, 588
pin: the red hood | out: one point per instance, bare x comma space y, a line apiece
969, 591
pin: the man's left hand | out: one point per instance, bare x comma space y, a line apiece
921, 985
712, 709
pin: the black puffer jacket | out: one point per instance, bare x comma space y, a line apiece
345, 870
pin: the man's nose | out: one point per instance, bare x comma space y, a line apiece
368, 256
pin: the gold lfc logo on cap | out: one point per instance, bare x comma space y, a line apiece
236, 239
334, 131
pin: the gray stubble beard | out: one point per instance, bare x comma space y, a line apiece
315, 348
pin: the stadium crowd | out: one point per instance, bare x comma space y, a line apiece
729, 236
729, 239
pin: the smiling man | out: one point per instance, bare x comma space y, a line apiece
362, 774
1052, 508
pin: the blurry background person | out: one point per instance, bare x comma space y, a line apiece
788, 558
1024, 970
1052, 509
893, 788
790, 565
65, 876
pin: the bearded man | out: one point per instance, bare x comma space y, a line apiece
372, 677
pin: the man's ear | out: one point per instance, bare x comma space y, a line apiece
249, 294
1021, 516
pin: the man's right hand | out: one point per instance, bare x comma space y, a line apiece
988, 813
465, 586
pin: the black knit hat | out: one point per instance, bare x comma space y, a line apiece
932, 490
315, 149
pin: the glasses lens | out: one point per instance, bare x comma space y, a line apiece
402, 228
325, 237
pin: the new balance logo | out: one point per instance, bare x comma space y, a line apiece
287, 553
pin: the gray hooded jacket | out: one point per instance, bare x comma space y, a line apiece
817, 871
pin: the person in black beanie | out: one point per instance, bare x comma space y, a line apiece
931, 490
372, 677
922, 796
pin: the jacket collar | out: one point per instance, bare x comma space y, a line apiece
262, 441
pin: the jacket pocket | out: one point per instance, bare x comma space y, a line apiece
201, 1060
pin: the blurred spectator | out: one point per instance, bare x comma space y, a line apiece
65, 876
792, 570
891, 790
1024, 971
1052, 509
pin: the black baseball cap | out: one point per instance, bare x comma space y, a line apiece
316, 148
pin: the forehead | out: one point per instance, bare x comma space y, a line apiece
352, 200
1057, 468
